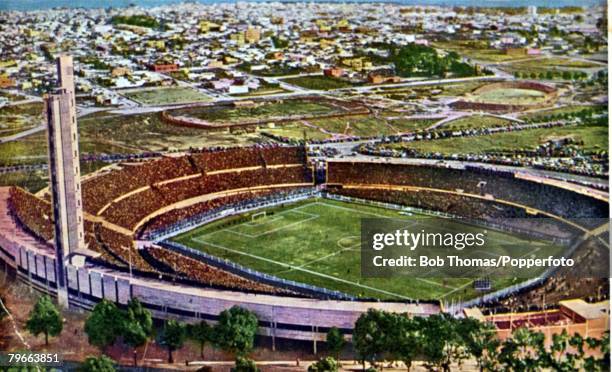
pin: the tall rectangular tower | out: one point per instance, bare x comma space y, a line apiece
64, 172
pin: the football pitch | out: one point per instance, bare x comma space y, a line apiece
318, 242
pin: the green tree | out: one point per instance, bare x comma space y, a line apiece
404, 339
201, 333
97, 364
369, 336
441, 342
173, 337
245, 365
137, 326
335, 342
524, 351
235, 332
44, 318
481, 342
104, 325
328, 364
593, 363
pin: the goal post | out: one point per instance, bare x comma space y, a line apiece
258, 216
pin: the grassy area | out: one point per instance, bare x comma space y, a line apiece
167, 96
589, 138
475, 121
262, 111
512, 96
476, 50
555, 111
17, 118
318, 82
28, 150
403, 125
138, 133
433, 90
296, 131
32, 181
363, 126
553, 62
318, 243
36, 180
106, 134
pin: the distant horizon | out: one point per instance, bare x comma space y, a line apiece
35, 5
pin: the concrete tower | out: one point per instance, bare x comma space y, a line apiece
64, 172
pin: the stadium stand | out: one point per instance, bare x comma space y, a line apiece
192, 269
483, 182
33, 214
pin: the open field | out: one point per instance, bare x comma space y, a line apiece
511, 96
33, 181
167, 96
476, 50
553, 62
588, 138
17, 118
364, 126
556, 111
318, 82
260, 111
475, 122
433, 90
296, 131
110, 134
318, 242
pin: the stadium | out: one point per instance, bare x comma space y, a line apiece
267, 228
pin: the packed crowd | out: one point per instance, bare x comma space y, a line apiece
177, 215
500, 185
495, 214
130, 211
215, 159
103, 189
34, 214
203, 273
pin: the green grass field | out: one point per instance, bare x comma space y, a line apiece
587, 137
318, 242
511, 96
474, 122
17, 118
167, 96
264, 111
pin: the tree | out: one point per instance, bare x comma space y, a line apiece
245, 365
104, 325
335, 342
404, 340
524, 351
99, 364
441, 341
328, 364
137, 326
44, 318
236, 329
173, 337
481, 342
201, 333
369, 338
